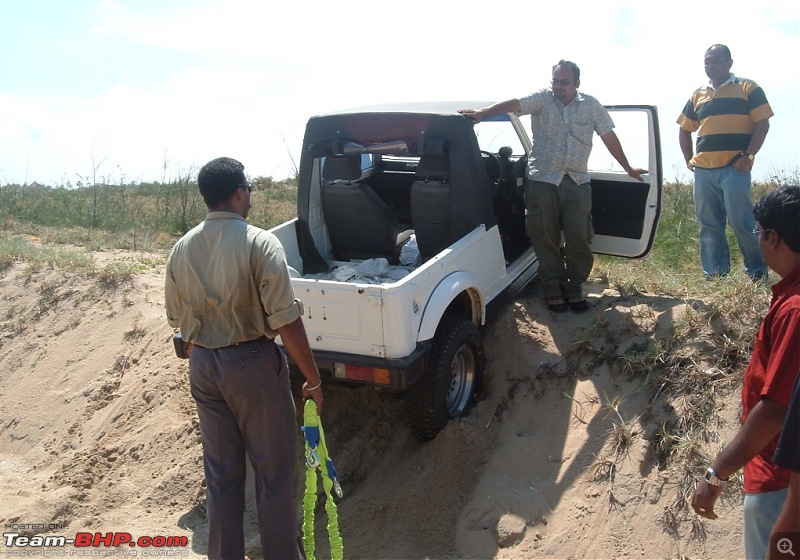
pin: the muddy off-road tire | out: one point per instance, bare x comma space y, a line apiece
453, 378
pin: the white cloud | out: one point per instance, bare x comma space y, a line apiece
259, 70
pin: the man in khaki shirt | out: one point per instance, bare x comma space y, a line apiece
228, 290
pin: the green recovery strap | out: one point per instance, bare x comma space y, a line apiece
317, 459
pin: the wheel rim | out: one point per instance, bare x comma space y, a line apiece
462, 380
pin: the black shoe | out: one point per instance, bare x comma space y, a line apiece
556, 304
579, 306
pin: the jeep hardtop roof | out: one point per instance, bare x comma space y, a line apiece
433, 129
432, 107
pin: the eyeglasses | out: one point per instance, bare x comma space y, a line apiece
760, 231
557, 82
248, 187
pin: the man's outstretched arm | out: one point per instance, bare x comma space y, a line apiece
508, 106
615, 148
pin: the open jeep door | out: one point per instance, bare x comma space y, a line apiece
625, 212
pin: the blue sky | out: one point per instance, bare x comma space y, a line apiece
140, 90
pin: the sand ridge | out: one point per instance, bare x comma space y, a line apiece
98, 432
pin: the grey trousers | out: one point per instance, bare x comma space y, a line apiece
245, 406
551, 210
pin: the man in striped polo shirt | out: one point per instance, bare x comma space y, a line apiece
731, 118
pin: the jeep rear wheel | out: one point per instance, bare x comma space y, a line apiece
453, 378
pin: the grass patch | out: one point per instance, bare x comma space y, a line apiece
138, 217
620, 439
60, 227
689, 366
36, 256
116, 273
14, 248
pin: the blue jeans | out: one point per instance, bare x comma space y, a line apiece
760, 513
721, 194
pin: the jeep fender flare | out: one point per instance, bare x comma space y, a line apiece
450, 288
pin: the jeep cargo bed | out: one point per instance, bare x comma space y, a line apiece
382, 321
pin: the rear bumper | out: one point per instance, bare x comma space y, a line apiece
403, 372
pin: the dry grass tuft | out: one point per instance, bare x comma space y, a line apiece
690, 367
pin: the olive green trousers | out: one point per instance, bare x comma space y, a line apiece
551, 210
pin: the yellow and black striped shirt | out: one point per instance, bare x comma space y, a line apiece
724, 119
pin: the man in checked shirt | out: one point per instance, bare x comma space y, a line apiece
558, 195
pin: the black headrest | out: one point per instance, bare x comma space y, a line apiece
346, 168
433, 168
432, 146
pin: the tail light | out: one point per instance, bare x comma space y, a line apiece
367, 374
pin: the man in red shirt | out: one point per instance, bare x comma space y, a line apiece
768, 382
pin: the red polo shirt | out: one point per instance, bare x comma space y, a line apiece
771, 373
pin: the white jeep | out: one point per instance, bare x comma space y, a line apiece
411, 219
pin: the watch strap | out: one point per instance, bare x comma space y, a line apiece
713, 479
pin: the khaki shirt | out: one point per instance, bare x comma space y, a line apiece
227, 282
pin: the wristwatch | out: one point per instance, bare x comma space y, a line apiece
751, 157
713, 479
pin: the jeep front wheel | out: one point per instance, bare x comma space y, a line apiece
453, 377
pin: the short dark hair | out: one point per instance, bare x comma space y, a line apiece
576, 72
724, 48
779, 210
219, 179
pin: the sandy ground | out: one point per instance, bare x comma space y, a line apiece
98, 433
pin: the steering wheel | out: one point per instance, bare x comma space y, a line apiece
494, 167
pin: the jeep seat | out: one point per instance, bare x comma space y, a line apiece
431, 208
360, 224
